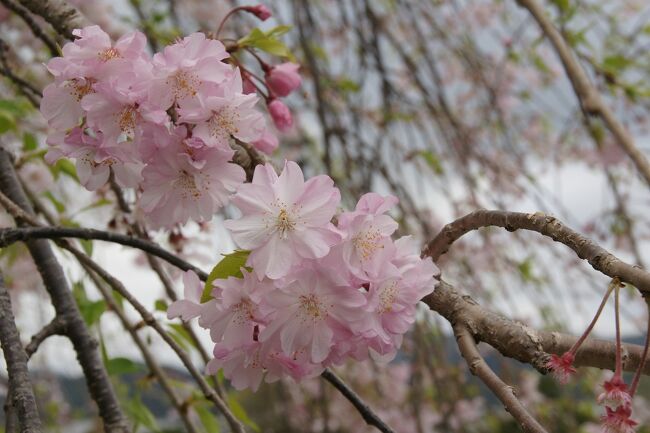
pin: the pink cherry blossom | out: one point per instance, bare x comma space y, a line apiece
301, 313
185, 68
285, 219
224, 113
267, 143
61, 102
280, 114
95, 158
190, 307
238, 313
283, 79
178, 186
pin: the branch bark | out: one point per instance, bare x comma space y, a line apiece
588, 95
86, 347
479, 368
20, 386
598, 257
62, 17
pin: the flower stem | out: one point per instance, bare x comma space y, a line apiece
223, 21
644, 356
614, 284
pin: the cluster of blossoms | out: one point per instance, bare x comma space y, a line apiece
313, 293
616, 395
162, 124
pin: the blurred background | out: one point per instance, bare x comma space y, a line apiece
452, 106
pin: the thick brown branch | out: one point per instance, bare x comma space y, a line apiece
518, 341
22, 395
504, 392
27, 16
588, 95
598, 257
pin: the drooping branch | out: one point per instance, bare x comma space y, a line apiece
589, 97
369, 416
148, 318
85, 345
505, 393
20, 386
598, 257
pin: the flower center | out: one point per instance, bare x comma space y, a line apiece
223, 124
243, 312
184, 84
367, 243
126, 120
79, 87
387, 297
187, 184
108, 54
284, 223
312, 308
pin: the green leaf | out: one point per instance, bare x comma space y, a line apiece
141, 414
181, 336
160, 305
29, 142
87, 246
267, 41
207, 418
59, 206
7, 122
64, 166
229, 266
91, 311
278, 31
119, 365
240, 413
616, 63
432, 160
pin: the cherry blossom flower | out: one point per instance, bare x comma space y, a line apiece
267, 143
185, 68
238, 313
224, 113
303, 311
283, 79
190, 307
61, 105
285, 219
178, 186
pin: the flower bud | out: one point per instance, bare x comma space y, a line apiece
260, 11
280, 114
283, 79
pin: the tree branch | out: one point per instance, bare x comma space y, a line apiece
518, 341
588, 95
11, 235
86, 347
21, 394
55, 327
478, 367
36, 29
370, 417
598, 257
61, 16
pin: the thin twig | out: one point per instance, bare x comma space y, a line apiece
370, 417
589, 97
55, 327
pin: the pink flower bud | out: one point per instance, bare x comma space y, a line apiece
283, 79
267, 144
260, 11
280, 114
249, 87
